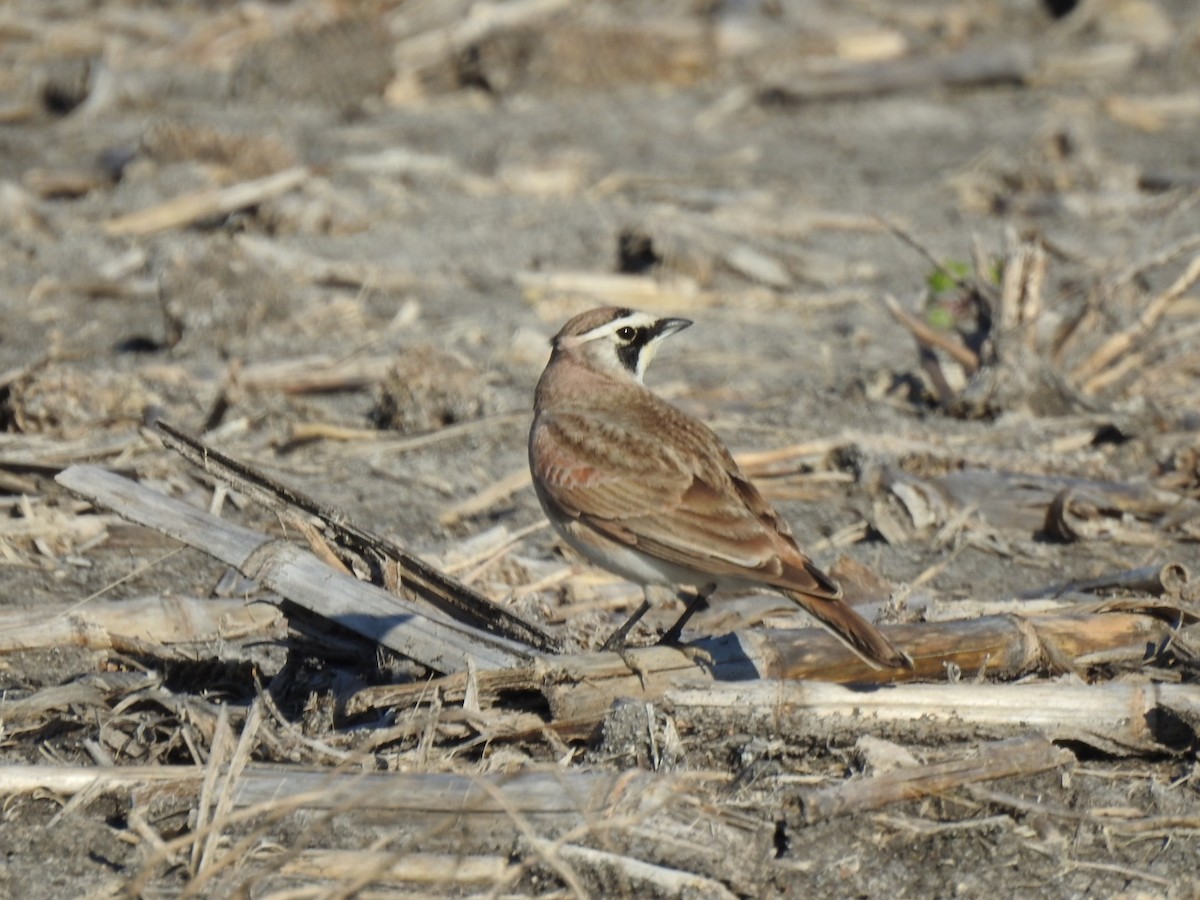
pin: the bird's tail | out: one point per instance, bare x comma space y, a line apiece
840, 620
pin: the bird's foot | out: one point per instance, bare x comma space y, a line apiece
634, 664
698, 655
614, 644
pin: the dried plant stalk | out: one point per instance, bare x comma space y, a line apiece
1000, 759
420, 633
1122, 719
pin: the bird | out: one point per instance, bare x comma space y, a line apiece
640, 488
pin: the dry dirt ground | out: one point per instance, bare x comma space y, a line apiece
431, 189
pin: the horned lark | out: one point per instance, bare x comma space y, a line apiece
642, 489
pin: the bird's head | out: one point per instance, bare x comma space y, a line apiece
616, 341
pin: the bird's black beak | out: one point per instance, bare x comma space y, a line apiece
664, 327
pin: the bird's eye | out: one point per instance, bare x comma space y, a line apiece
626, 333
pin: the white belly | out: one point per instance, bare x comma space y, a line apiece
623, 560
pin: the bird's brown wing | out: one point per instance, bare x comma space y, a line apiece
683, 501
